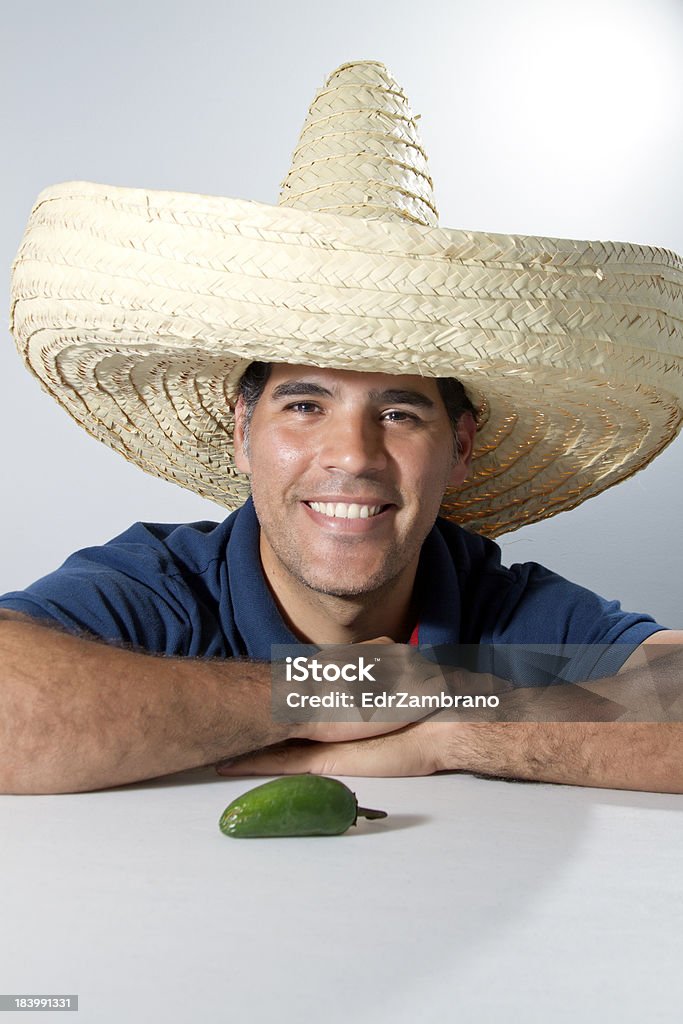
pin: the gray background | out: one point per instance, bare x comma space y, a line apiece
558, 118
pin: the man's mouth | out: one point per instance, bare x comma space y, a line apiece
344, 510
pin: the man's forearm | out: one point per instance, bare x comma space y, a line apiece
78, 714
612, 755
638, 752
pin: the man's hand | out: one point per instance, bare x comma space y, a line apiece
399, 668
440, 742
416, 749
611, 755
404, 746
644, 756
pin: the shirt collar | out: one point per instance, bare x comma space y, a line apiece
257, 618
437, 593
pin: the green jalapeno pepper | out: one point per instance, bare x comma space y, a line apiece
294, 805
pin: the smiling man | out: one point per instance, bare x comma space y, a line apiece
373, 399
348, 471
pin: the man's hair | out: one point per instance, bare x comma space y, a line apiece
255, 377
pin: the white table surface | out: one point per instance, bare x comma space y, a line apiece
475, 900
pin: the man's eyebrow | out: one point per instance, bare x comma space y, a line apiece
398, 396
391, 396
297, 388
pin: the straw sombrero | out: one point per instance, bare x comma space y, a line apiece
138, 311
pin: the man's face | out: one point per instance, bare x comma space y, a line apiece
347, 473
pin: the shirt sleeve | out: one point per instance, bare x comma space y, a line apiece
128, 591
583, 635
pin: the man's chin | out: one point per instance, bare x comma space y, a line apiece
345, 587
343, 593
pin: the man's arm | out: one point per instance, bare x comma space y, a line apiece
632, 755
78, 714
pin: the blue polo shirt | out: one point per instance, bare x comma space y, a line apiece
198, 590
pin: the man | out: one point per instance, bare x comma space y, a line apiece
350, 453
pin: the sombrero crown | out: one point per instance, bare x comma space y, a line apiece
138, 311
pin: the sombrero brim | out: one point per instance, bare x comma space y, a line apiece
138, 311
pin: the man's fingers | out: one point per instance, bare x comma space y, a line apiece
397, 754
291, 760
340, 732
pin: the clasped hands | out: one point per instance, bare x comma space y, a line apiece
410, 732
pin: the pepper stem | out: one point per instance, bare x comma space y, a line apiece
367, 812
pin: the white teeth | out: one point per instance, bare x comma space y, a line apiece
341, 510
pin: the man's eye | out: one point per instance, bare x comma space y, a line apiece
304, 407
398, 416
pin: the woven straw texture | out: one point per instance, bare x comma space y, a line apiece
139, 310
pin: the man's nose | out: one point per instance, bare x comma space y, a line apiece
353, 444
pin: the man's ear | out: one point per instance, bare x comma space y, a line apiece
241, 456
466, 432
